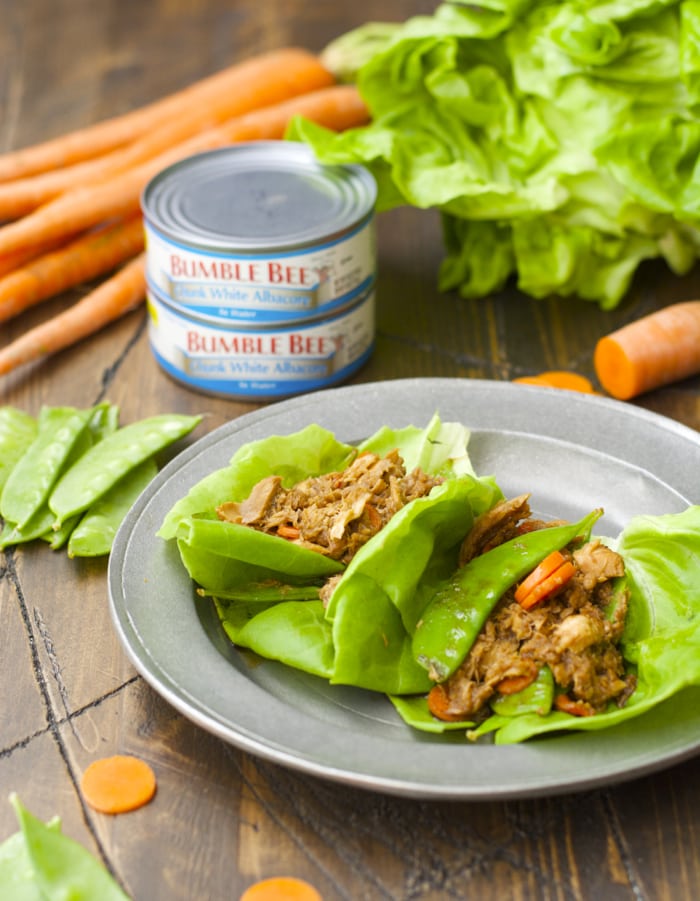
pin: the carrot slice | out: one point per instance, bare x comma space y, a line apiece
541, 571
513, 684
572, 706
548, 586
650, 352
559, 378
290, 532
281, 888
438, 702
118, 784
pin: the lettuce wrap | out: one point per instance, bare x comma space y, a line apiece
266, 590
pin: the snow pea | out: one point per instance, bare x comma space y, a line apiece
39, 861
459, 608
537, 697
17, 431
34, 475
104, 464
94, 534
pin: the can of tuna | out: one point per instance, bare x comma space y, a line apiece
260, 233
259, 363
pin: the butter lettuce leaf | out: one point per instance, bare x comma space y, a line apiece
557, 140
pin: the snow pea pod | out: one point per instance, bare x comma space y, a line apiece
94, 534
112, 458
17, 431
456, 613
34, 475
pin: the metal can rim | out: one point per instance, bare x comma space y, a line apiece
331, 198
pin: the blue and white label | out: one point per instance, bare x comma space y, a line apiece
261, 363
263, 287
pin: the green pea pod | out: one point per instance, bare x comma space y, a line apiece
104, 464
456, 613
34, 475
38, 525
94, 534
17, 431
40, 861
537, 697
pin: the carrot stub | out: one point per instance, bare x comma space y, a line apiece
653, 351
281, 888
546, 578
118, 784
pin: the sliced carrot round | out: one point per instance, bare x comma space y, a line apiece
118, 784
558, 378
281, 888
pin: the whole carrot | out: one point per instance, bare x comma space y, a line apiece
113, 298
11, 261
337, 107
117, 131
86, 257
254, 84
653, 351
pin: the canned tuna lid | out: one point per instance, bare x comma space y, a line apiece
271, 194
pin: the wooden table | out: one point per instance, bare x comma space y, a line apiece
223, 819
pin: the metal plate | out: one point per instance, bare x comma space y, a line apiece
572, 452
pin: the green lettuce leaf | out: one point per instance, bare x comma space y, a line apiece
503, 116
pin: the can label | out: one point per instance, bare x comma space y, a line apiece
260, 287
261, 363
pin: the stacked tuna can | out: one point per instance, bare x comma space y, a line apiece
261, 267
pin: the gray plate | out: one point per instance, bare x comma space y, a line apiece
572, 452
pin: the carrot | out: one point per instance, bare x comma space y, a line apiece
11, 261
513, 684
90, 255
439, 702
118, 784
281, 888
112, 299
251, 85
558, 378
102, 137
572, 706
650, 352
336, 107
548, 585
541, 571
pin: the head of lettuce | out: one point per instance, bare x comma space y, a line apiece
558, 140
267, 589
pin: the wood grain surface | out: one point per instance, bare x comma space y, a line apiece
223, 819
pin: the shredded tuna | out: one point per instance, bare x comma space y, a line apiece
336, 513
571, 632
